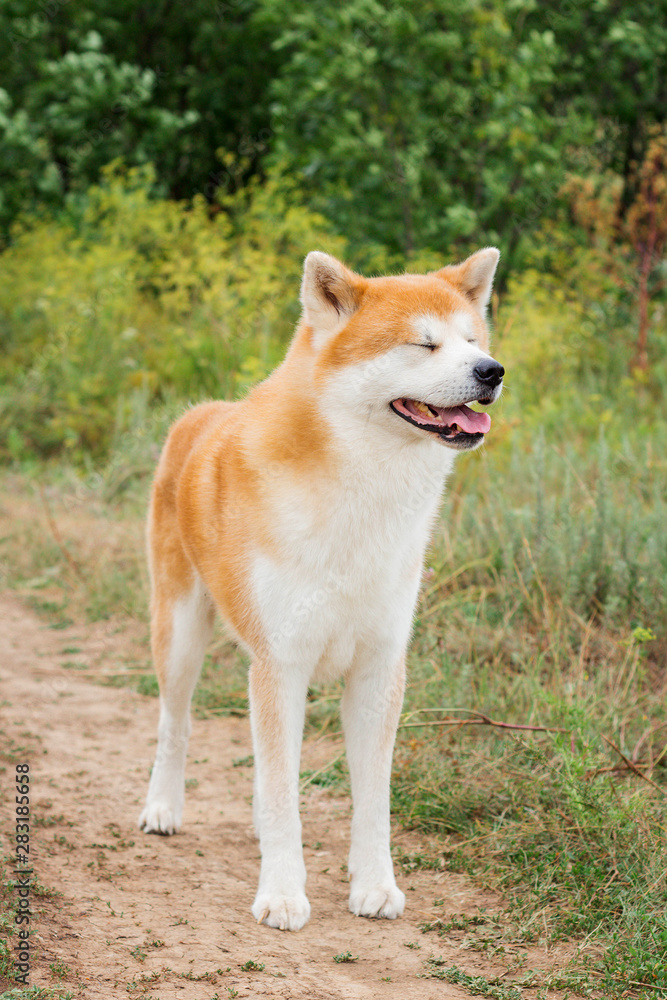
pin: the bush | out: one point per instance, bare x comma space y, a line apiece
127, 295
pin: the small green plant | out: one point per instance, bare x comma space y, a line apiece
247, 761
331, 775
199, 977
44, 891
47, 821
62, 841
345, 956
252, 966
59, 970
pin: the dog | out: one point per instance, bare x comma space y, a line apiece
301, 514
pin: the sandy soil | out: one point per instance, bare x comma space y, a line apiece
170, 917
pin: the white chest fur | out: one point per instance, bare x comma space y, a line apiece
351, 557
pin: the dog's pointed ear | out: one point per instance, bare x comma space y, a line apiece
330, 294
474, 277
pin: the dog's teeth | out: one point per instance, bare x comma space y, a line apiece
434, 413
423, 408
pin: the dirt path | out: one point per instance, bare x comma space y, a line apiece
170, 917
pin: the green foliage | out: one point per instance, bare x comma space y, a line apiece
252, 966
84, 110
566, 334
126, 299
610, 66
87, 82
411, 124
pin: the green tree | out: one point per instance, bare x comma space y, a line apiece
425, 123
87, 82
611, 66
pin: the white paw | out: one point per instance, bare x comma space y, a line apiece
377, 901
160, 817
287, 913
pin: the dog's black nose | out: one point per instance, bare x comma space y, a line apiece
489, 372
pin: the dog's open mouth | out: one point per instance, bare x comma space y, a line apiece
456, 423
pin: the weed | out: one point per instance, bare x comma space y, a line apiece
332, 774
248, 761
345, 956
147, 684
252, 966
202, 976
477, 985
48, 820
457, 922
11, 751
37, 993
44, 891
59, 970
62, 841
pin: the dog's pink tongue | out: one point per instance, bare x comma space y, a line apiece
468, 420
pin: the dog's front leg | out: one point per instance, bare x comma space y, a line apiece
371, 708
277, 707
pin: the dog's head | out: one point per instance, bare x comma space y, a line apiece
409, 352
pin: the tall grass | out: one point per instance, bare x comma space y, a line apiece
546, 609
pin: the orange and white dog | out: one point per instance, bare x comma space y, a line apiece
301, 514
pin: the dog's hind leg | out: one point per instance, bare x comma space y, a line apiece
180, 631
